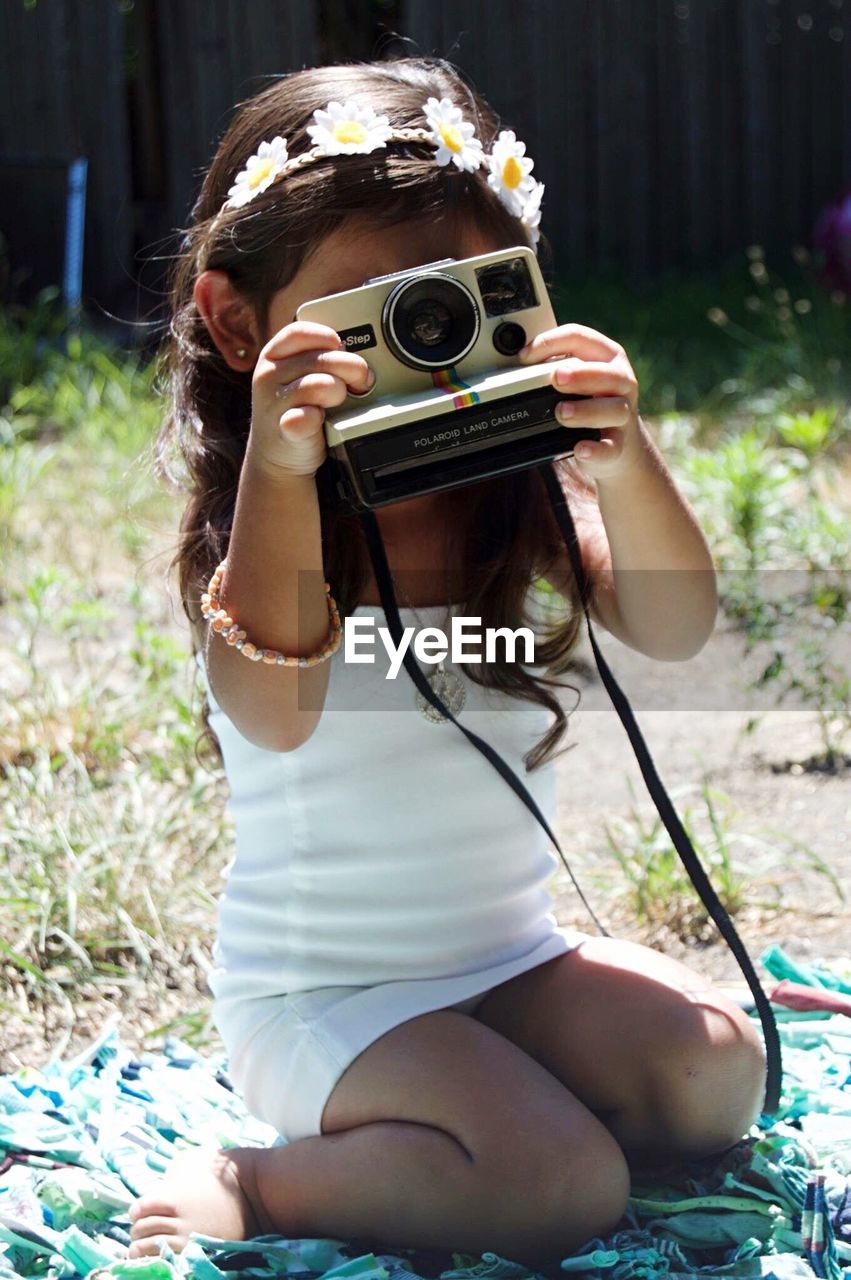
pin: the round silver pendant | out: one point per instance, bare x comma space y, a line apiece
447, 686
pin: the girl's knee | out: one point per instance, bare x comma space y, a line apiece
571, 1186
589, 1187
709, 1087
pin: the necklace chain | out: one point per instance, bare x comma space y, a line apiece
446, 684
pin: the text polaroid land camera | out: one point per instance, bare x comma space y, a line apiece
450, 403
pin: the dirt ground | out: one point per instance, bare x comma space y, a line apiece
692, 716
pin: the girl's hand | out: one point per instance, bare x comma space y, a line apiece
302, 371
595, 366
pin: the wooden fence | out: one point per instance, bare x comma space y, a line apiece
669, 133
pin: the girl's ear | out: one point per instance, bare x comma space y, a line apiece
229, 318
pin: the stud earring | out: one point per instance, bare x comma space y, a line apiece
241, 351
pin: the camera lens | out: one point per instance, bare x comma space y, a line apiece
430, 321
509, 337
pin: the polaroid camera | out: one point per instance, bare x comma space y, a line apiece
450, 404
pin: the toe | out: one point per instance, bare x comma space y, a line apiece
146, 1242
152, 1206
151, 1248
153, 1225
143, 1249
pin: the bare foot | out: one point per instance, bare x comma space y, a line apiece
205, 1190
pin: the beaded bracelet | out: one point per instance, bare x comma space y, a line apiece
221, 622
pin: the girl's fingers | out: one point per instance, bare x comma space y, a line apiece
570, 339
291, 341
594, 377
301, 335
300, 447
302, 423
348, 366
313, 388
599, 454
288, 412
599, 411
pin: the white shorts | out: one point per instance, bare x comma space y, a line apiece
286, 1053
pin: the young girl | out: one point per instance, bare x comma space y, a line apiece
447, 1066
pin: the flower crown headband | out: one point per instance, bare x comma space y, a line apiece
348, 128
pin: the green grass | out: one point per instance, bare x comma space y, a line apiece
113, 835
655, 885
756, 337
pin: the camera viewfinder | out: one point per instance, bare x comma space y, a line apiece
506, 286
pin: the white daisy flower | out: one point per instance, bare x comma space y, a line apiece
531, 215
510, 168
347, 127
455, 137
260, 172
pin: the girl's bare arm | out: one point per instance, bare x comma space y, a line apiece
650, 565
274, 589
274, 581
650, 568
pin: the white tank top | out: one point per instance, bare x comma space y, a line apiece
385, 847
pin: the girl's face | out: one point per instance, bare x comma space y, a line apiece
355, 253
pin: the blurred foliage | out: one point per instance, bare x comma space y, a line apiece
747, 338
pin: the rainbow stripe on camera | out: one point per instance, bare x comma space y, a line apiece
450, 381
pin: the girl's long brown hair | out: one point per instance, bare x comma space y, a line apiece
510, 535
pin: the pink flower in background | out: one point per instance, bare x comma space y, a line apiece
832, 236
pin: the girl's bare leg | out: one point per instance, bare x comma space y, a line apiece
649, 1045
440, 1134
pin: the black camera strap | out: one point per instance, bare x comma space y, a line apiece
648, 769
